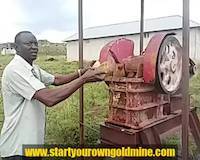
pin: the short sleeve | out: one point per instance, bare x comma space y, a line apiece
25, 84
45, 77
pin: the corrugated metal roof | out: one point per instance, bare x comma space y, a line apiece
150, 25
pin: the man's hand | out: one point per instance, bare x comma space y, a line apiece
88, 66
94, 75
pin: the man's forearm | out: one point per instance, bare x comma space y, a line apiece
63, 79
50, 97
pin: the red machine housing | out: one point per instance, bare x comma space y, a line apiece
119, 49
135, 101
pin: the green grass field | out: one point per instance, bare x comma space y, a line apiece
63, 120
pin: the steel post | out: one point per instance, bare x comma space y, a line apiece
141, 26
185, 85
80, 33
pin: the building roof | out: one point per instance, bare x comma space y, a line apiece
127, 28
7, 45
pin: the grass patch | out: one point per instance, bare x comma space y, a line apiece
62, 125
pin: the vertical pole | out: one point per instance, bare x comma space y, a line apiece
141, 26
185, 88
80, 31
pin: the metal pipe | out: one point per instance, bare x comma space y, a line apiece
141, 26
185, 84
80, 33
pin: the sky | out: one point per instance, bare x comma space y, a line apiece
55, 20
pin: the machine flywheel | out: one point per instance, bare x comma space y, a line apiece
169, 65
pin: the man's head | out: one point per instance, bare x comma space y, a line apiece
26, 46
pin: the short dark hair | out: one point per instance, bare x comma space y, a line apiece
19, 34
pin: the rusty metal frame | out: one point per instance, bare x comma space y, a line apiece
185, 104
185, 82
151, 133
141, 26
81, 94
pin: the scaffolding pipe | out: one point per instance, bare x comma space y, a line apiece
81, 95
185, 88
141, 26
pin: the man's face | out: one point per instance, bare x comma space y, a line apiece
27, 47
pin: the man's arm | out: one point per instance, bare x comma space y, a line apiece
63, 79
50, 97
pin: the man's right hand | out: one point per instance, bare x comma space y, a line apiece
94, 75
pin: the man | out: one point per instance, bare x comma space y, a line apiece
25, 94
